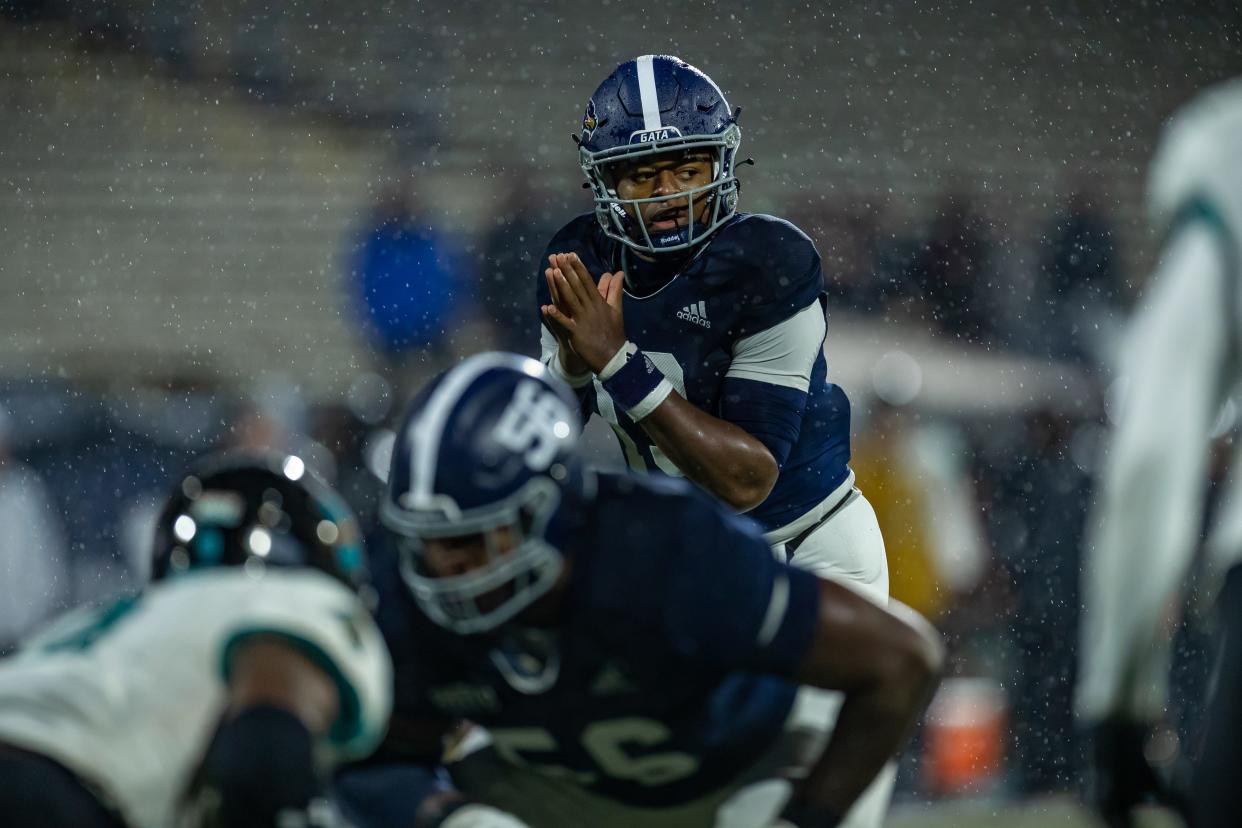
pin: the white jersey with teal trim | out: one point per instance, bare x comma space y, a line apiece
128, 696
1181, 362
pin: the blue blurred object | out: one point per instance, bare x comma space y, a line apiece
377, 796
411, 283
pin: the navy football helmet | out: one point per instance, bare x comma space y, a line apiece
257, 510
650, 105
488, 446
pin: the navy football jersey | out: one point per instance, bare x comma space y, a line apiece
737, 328
671, 647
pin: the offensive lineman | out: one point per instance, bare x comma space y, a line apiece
633, 650
697, 331
219, 696
1182, 362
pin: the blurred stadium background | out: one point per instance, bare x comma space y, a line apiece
249, 222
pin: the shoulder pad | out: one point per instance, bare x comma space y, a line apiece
775, 266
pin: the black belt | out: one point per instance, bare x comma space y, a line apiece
792, 546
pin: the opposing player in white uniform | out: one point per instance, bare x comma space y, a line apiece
1181, 364
222, 694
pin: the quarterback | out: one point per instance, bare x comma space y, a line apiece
697, 331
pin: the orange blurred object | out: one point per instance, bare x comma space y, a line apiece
964, 739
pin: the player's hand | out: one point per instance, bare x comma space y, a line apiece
1121, 779
590, 315
570, 361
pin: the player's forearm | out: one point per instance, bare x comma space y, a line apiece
870, 730
868, 733
716, 454
887, 661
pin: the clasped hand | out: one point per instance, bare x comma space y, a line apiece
585, 318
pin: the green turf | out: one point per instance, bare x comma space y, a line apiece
1054, 813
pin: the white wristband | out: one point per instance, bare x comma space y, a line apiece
651, 401
572, 380
618, 359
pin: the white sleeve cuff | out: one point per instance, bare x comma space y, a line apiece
651, 401
572, 380
618, 359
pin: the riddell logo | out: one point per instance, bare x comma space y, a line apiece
696, 313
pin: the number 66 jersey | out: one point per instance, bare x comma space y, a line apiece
658, 680
128, 696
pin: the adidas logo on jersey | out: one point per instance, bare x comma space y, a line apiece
696, 313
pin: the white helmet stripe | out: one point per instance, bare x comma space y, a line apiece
647, 93
429, 427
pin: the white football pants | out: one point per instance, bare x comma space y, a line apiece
846, 547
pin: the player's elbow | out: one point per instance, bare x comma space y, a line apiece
752, 485
743, 498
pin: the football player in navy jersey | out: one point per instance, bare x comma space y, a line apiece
633, 650
697, 331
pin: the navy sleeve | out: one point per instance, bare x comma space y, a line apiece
770, 413
781, 280
729, 602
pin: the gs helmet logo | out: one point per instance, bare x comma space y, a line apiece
534, 425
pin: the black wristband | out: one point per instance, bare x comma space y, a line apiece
259, 763
807, 815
